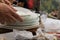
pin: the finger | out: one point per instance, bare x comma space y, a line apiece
7, 2
7, 18
2, 19
10, 20
17, 17
13, 8
2, 1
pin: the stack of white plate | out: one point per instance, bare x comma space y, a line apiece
29, 19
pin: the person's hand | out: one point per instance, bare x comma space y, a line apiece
7, 15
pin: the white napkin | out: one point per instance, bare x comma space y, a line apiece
23, 35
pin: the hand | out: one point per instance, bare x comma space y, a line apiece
7, 15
